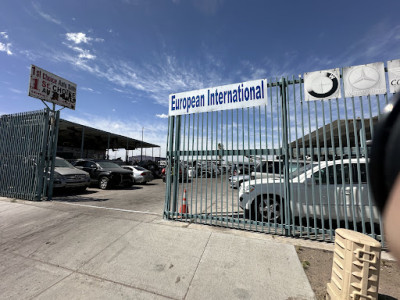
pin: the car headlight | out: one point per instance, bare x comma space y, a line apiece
58, 175
249, 188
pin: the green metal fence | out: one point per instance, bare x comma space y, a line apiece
300, 167
27, 152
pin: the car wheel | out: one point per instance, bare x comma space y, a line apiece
270, 209
103, 183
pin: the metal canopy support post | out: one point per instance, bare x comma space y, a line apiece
108, 146
126, 152
83, 140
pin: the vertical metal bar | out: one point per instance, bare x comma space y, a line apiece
207, 167
327, 172
311, 146
226, 168
169, 147
253, 210
41, 165
305, 161
260, 164
244, 182
191, 179
175, 176
335, 184
319, 171
196, 168
211, 165
285, 204
54, 138
350, 173
83, 140
346, 221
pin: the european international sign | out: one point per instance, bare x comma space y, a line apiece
51, 88
231, 96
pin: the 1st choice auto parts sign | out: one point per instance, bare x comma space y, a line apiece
51, 88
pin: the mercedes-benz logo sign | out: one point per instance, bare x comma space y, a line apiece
363, 77
323, 85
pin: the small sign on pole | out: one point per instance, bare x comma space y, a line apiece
51, 88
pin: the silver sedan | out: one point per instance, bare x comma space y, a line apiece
139, 174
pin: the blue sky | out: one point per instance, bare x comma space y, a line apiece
127, 56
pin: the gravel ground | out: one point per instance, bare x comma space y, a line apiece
318, 267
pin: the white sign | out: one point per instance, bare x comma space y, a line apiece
394, 75
239, 95
51, 88
322, 85
364, 80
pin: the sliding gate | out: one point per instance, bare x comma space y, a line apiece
310, 158
28, 144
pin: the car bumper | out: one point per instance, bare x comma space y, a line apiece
60, 184
246, 200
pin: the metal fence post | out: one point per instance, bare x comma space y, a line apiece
176, 158
285, 146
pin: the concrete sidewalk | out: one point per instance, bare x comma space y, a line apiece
53, 250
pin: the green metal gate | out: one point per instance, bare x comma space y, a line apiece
303, 165
27, 153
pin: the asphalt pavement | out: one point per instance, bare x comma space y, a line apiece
75, 249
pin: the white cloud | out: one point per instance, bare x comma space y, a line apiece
88, 89
16, 91
162, 116
81, 37
82, 53
78, 37
44, 15
4, 34
6, 48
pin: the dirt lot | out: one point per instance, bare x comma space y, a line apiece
318, 267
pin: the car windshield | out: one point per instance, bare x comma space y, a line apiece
296, 172
62, 163
140, 169
107, 164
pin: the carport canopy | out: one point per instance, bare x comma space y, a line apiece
80, 136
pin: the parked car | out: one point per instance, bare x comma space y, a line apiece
236, 180
274, 168
242, 168
104, 173
151, 166
139, 174
336, 189
183, 174
67, 176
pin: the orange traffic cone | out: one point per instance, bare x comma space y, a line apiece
184, 209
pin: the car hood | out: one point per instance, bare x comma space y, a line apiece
267, 180
117, 170
69, 171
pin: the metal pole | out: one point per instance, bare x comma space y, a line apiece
141, 147
108, 146
126, 152
83, 139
